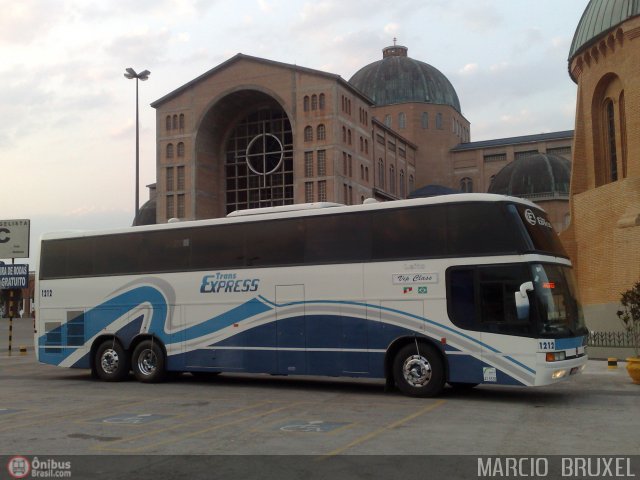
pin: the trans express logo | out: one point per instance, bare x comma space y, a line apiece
228, 283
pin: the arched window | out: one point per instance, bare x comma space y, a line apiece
392, 180
349, 136
380, 173
424, 120
344, 134
402, 120
366, 173
181, 121
623, 135
322, 101
366, 146
361, 144
306, 103
387, 120
322, 132
308, 133
314, 102
466, 185
170, 150
181, 149
612, 152
168, 123
610, 143
439, 121
361, 172
403, 188
174, 122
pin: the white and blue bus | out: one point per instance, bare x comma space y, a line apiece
461, 289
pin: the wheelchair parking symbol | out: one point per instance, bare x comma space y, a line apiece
317, 426
132, 419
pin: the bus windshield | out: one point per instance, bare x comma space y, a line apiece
541, 235
559, 312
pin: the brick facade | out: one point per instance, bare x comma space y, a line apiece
604, 236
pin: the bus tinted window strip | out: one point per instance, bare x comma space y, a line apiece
354, 235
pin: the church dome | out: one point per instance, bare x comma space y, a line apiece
397, 78
146, 214
539, 175
599, 17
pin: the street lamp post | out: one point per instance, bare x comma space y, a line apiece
144, 75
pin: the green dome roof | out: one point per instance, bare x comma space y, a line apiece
599, 17
400, 79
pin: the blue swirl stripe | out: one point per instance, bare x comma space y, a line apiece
102, 317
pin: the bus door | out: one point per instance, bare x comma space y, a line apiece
291, 329
482, 298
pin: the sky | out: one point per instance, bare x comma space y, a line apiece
67, 139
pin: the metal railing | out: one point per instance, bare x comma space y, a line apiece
611, 339
545, 196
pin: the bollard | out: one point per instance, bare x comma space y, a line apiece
10, 331
612, 363
10, 319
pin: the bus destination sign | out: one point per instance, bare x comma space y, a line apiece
14, 238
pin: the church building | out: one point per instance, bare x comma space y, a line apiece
254, 133
603, 239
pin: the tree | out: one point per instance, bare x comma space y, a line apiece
630, 315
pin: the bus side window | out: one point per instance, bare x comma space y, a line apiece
462, 303
481, 298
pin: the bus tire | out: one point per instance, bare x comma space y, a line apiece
148, 362
418, 370
111, 361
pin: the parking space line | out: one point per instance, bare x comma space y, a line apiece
179, 438
94, 419
54, 417
369, 436
173, 427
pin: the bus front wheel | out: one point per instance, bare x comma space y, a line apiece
111, 361
148, 362
418, 370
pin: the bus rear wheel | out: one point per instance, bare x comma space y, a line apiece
418, 370
148, 362
111, 361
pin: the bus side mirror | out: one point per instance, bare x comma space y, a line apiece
522, 300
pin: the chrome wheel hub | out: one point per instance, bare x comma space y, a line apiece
416, 371
147, 362
110, 361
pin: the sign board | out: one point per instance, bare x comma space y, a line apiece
14, 276
14, 238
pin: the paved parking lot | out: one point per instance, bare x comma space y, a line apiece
54, 411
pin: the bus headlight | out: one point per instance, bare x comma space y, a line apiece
558, 374
555, 356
